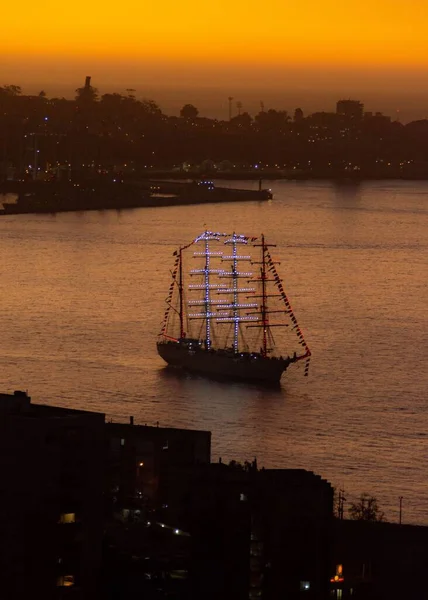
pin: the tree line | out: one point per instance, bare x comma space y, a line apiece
120, 129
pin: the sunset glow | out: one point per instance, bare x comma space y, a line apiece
308, 33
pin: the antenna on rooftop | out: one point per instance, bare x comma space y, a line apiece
230, 99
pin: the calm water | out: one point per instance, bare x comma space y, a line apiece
83, 297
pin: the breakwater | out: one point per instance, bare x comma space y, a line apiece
51, 197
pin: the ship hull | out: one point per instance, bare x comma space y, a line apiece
217, 363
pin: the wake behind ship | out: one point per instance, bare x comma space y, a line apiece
221, 318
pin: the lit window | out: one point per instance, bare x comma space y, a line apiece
338, 578
305, 586
65, 581
122, 441
339, 594
165, 445
243, 497
178, 574
66, 518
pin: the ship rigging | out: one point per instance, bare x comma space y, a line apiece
223, 307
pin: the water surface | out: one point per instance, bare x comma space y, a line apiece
83, 298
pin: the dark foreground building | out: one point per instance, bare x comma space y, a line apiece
108, 511
92, 510
51, 500
253, 533
138, 456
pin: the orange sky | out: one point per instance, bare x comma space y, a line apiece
218, 42
326, 31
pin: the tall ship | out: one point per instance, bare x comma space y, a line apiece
227, 313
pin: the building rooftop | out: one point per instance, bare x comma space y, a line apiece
120, 427
19, 403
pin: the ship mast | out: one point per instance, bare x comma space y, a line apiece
263, 306
207, 294
228, 310
206, 303
234, 307
235, 295
264, 310
180, 291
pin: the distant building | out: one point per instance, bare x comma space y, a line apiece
377, 118
351, 109
51, 500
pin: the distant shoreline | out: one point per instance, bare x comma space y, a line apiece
262, 178
269, 176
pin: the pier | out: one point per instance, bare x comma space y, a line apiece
116, 194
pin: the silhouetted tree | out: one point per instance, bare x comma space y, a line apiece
233, 464
11, 90
298, 115
272, 120
189, 112
243, 120
119, 129
151, 108
112, 101
86, 94
366, 509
